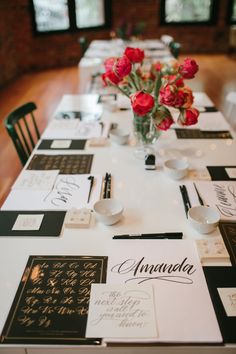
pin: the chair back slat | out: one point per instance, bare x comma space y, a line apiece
22, 138
29, 134
22, 128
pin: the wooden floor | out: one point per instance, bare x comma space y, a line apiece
217, 76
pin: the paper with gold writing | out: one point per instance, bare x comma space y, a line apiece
51, 303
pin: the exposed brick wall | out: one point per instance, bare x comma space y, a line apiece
21, 50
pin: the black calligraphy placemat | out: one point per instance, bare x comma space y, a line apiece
67, 164
210, 109
51, 225
74, 145
202, 134
52, 300
228, 232
222, 277
218, 173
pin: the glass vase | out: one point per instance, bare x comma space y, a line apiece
145, 133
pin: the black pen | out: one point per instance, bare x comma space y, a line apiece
159, 236
184, 200
108, 194
105, 185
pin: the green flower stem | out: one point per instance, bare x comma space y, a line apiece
133, 81
122, 91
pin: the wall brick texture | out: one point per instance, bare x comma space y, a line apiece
23, 51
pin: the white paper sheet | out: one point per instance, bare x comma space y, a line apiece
184, 311
220, 195
36, 180
72, 129
69, 191
121, 311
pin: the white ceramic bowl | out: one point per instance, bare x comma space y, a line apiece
176, 168
108, 211
204, 219
119, 136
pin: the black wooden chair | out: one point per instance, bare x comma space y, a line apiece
23, 130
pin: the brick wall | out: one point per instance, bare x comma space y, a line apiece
21, 50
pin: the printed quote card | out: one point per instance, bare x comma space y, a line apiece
118, 311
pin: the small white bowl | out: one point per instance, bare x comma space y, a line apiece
204, 219
108, 211
176, 168
119, 136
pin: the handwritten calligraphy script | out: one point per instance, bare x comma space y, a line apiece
140, 271
226, 199
63, 191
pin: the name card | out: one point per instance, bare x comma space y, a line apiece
118, 311
28, 222
60, 144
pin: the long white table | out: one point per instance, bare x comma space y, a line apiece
152, 203
99, 50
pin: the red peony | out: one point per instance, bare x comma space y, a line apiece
165, 124
123, 66
190, 116
188, 69
109, 63
111, 78
172, 79
141, 102
168, 95
135, 55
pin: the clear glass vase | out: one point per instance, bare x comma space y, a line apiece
145, 133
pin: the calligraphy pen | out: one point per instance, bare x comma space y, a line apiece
198, 194
91, 178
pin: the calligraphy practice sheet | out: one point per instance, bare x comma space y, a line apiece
68, 191
121, 311
220, 195
72, 129
184, 310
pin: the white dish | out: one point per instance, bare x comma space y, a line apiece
119, 136
108, 211
204, 219
176, 168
